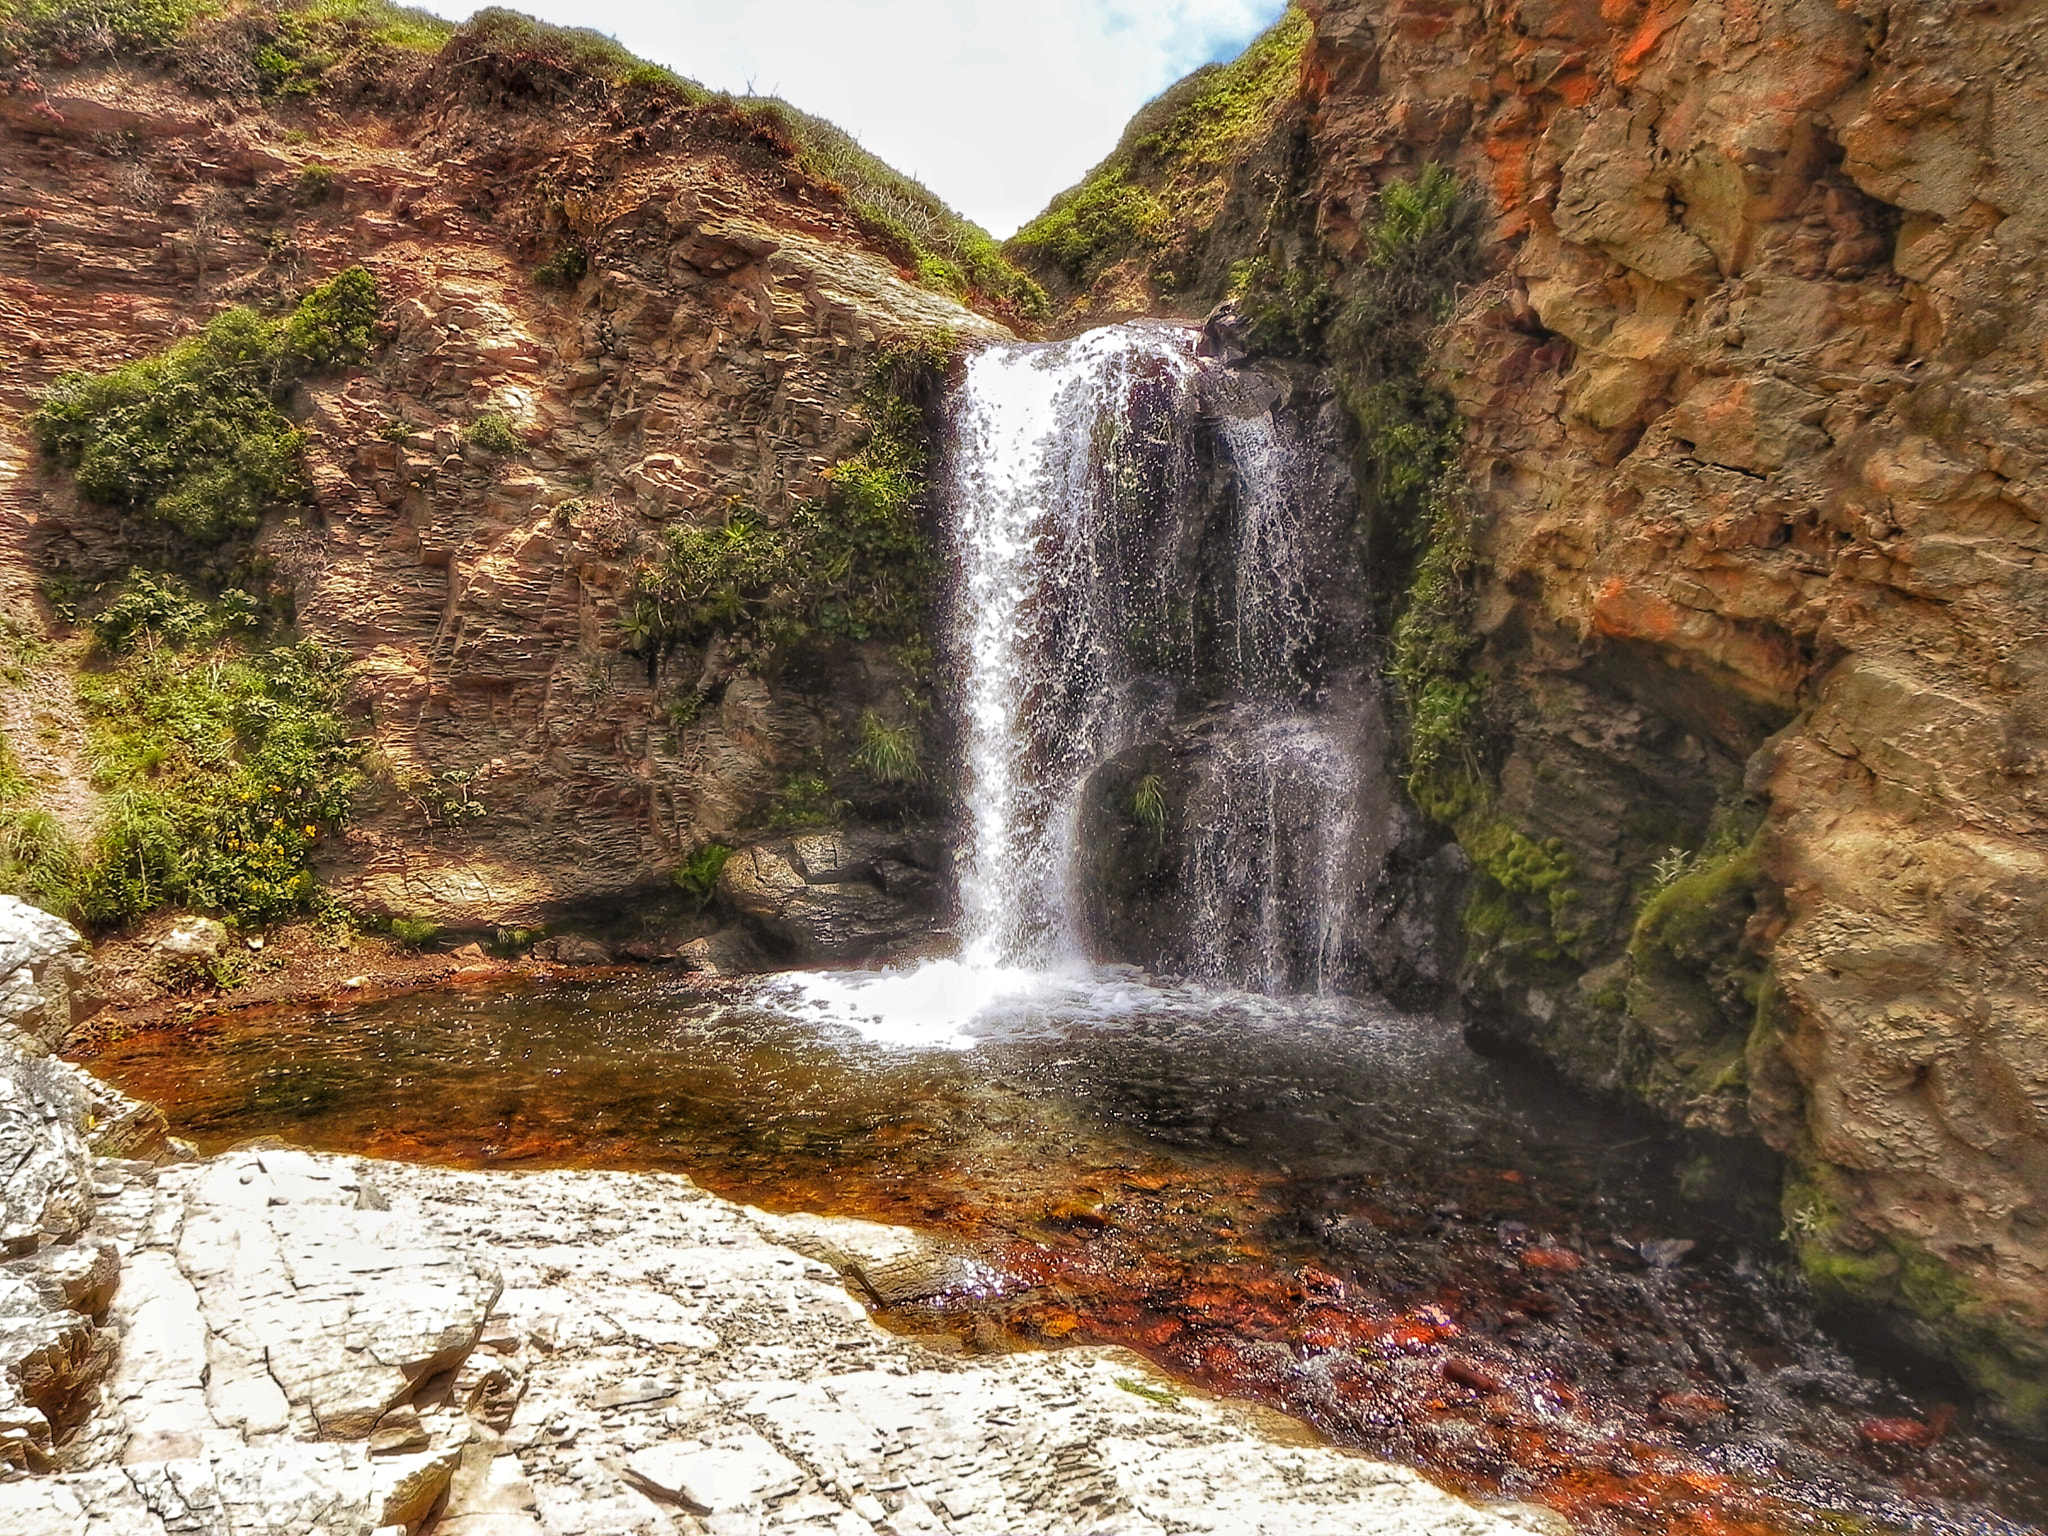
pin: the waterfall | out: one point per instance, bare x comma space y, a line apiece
1050, 443
1074, 499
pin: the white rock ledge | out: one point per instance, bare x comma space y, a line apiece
581, 1354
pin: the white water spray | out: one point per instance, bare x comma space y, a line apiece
1039, 619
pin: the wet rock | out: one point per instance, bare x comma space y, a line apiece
573, 950
845, 894
1665, 1252
728, 952
192, 938
43, 963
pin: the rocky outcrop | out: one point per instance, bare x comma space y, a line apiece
44, 963
840, 895
55, 1282
657, 1361
311, 1345
1753, 440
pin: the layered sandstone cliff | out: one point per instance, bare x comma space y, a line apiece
706, 344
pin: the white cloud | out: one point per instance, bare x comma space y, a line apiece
994, 106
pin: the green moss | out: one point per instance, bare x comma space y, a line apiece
1523, 901
1690, 917
2006, 1363
804, 800
193, 437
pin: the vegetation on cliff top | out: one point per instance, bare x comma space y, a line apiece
1165, 179
291, 47
944, 250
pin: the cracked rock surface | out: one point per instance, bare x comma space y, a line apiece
316, 1345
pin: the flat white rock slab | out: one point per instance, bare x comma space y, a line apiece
658, 1361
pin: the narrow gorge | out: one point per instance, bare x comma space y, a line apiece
1368, 806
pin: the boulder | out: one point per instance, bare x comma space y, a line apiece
191, 938
43, 960
838, 894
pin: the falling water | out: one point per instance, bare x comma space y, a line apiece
1062, 458
1072, 502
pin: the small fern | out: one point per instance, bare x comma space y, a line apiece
1148, 804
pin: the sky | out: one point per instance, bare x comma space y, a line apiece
994, 104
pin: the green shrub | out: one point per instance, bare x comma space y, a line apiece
376, 22
70, 31
192, 437
152, 609
1105, 219
887, 752
855, 564
222, 768
564, 269
315, 184
492, 433
947, 252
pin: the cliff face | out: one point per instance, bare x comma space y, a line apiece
1750, 470
1756, 425
707, 345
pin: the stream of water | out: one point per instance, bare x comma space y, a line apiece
1268, 1187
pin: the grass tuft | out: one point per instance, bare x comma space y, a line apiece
887, 752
